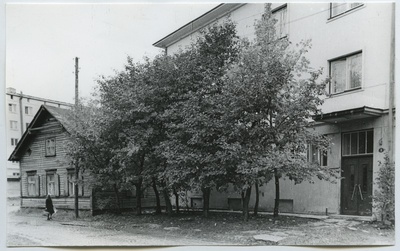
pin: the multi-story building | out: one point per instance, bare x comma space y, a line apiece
20, 110
354, 43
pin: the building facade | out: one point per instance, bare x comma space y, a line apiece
46, 169
354, 44
20, 110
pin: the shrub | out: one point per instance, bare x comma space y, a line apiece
384, 195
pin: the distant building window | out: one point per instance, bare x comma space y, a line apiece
28, 110
11, 96
14, 141
50, 145
13, 125
281, 25
358, 143
12, 108
346, 73
340, 8
28, 100
33, 184
316, 155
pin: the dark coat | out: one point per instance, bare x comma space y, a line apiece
49, 206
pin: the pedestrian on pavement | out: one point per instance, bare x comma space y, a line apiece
49, 207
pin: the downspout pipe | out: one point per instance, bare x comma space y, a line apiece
391, 86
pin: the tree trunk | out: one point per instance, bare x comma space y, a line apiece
176, 201
206, 201
158, 205
139, 196
276, 207
167, 201
242, 196
118, 200
257, 199
246, 201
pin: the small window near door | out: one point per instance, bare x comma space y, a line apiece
357, 143
316, 155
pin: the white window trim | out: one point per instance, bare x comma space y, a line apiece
347, 87
344, 13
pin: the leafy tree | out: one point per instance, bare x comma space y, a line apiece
268, 99
93, 146
194, 128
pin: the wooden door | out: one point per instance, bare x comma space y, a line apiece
356, 186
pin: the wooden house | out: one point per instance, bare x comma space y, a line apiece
45, 168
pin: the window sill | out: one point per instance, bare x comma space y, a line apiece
345, 13
351, 91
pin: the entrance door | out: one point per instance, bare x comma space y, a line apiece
356, 189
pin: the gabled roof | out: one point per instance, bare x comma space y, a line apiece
198, 23
63, 116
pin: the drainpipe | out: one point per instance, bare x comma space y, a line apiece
391, 86
21, 117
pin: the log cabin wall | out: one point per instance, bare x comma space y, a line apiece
43, 173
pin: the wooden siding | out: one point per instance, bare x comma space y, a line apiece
37, 162
59, 203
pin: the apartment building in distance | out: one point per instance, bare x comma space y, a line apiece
354, 43
20, 110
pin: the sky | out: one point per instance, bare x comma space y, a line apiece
42, 41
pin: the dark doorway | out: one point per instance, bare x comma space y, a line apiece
356, 185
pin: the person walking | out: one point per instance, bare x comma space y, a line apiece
49, 207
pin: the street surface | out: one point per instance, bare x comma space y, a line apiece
35, 230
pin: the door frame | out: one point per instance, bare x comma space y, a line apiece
371, 156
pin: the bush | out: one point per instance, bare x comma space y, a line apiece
384, 195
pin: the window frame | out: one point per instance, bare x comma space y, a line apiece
12, 123
28, 110
12, 107
32, 180
71, 173
348, 9
283, 7
347, 59
321, 156
366, 153
48, 151
14, 141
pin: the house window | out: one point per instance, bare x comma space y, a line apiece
13, 125
316, 155
50, 145
281, 25
12, 108
346, 73
33, 184
71, 184
357, 143
14, 142
28, 110
51, 183
340, 8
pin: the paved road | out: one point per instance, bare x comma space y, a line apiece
35, 230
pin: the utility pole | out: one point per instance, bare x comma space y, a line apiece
76, 187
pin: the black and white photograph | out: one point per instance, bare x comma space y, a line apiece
253, 124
